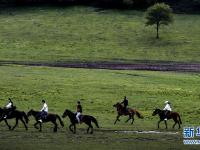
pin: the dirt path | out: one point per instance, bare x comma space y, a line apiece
171, 66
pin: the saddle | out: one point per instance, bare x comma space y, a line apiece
125, 111
80, 117
167, 113
8, 112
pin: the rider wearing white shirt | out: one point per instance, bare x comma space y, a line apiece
8, 108
9, 105
44, 108
44, 111
167, 109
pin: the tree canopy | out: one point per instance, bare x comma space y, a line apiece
159, 14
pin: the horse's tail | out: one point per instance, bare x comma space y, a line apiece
139, 115
25, 117
179, 119
95, 121
61, 122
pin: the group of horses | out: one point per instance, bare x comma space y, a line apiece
87, 119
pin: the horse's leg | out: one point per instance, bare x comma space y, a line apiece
174, 125
70, 128
132, 118
165, 124
91, 129
117, 119
35, 125
55, 126
9, 127
90, 126
179, 124
40, 127
128, 118
159, 124
74, 128
176, 121
24, 123
15, 124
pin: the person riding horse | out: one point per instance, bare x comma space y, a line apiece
125, 102
79, 111
8, 109
167, 109
43, 112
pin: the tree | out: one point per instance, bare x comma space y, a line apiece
159, 14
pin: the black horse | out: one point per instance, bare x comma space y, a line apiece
18, 115
84, 118
49, 118
172, 115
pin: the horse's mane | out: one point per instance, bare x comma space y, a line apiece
69, 111
34, 111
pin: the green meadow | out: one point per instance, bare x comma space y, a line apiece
98, 91
56, 34
87, 34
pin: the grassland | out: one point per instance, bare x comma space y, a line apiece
51, 34
98, 91
77, 34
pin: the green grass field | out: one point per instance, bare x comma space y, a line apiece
54, 34
99, 90
77, 34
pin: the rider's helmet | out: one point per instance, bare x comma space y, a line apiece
166, 102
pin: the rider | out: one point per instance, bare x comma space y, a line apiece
125, 102
44, 111
79, 111
167, 109
8, 108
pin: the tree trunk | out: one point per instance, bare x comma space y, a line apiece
157, 29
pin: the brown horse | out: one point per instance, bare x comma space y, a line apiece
50, 118
172, 115
130, 112
84, 118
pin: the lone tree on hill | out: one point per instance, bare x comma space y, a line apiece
159, 14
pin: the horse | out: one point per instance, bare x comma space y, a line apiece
18, 115
84, 118
130, 112
172, 115
49, 118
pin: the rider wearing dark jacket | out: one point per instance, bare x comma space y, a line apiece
78, 111
125, 102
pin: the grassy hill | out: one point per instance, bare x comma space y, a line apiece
54, 34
